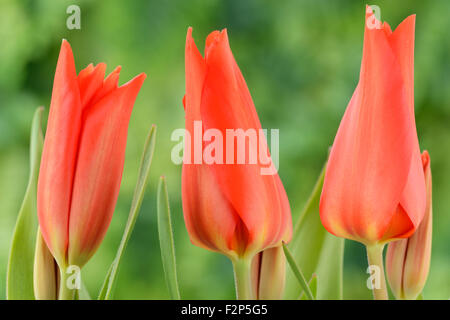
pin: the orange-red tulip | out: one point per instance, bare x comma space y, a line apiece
374, 188
83, 157
229, 208
408, 260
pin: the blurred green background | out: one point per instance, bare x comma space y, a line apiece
301, 60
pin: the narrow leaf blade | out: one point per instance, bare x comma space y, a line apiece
108, 287
298, 273
312, 283
166, 240
21, 256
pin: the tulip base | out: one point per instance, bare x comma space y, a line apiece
243, 280
375, 258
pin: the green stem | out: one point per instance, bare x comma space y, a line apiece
375, 258
64, 292
243, 280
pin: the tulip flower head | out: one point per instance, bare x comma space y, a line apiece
83, 157
374, 188
228, 208
408, 260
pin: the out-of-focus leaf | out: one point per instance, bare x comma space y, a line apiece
298, 273
21, 256
166, 240
108, 287
420, 297
312, 283
316, 251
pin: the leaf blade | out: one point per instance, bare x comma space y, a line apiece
166, 241
109, 283
19, 282
298, 273
312, 283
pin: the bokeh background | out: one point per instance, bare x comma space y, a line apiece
301, 60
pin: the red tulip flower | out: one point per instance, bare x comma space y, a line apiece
83, 157
228, 208
374, 188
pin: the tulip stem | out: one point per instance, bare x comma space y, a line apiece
65, 293
376, 271
242, 276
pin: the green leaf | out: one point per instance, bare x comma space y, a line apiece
298, 273
420, 296
108, 287
312, 283
166, 240
316, 251
21, 256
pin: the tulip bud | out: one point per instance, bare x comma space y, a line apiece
269, 274
82, 157
230, 208
408, 260
46, 274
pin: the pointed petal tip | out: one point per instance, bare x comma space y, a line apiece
101, 65
189, 37
65, 47
143, 75
114, 73
411, 19
425, 159
212, 38
137, 80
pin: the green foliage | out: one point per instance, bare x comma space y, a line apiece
107, 290
21, 256
312, 283
298, 273
166, 240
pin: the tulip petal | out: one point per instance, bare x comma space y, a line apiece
211, 221
109, 85
195, 77
99, 170
402, 43
408, 260
417, 262
90, 81
226, 104
413, 198
59, 156
372, 153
